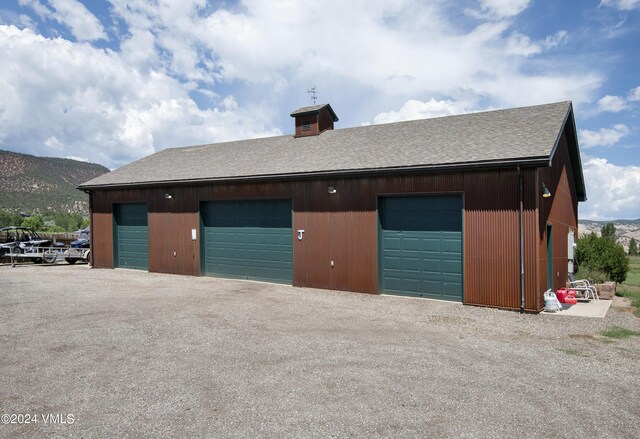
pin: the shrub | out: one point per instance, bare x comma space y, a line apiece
595, 276
35, 222
9, 218
601, 254
633, 247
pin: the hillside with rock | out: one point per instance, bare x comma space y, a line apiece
33, 184
625, 229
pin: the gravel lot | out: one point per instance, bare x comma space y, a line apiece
130, 354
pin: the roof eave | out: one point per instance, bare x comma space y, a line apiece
315, 111
574, 153
528, 162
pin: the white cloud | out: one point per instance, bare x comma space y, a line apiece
503, 8
26, 21
555, 40
53, 143
83, 24
623, 5
413, 109
613, 104
616, 104
85, 102
41, 10
364, 46
612, 190
362, 54
519, 44
602, 137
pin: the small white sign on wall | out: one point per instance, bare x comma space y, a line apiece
194, 235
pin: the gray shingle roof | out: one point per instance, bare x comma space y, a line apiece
519, 135
315, 109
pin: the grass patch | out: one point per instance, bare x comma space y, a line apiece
619, 333
631, 286
632, 293
633, 276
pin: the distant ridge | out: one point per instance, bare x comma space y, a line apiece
33, 184
625, 229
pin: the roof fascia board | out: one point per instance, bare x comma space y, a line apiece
531, 162
574, 154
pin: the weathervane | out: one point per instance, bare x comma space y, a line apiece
314, 94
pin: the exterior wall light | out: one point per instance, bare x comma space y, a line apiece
332, 189
545, 192
168, 196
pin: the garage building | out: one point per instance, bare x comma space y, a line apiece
478, 208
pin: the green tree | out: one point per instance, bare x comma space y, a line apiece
9, 218
608, 231
64, 221
633, 247
600, 254
34, 221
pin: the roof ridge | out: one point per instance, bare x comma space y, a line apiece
522, 133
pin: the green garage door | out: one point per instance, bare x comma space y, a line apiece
130, 236
421, 246
248, 239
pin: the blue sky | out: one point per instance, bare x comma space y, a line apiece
113, 81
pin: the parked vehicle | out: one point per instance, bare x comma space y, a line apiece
24, 243
80, 248
16, 239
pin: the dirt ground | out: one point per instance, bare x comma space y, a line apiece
117, 353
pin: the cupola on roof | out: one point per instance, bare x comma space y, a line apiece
311, 121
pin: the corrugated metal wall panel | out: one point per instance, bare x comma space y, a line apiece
102, 240
561, 211
343, 227
492, 239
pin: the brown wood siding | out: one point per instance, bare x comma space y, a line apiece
343, 227
325, 120
561, 211
315, 125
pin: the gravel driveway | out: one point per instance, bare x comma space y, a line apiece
117, 353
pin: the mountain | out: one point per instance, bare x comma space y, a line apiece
33, 184
625, 229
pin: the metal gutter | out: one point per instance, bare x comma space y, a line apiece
520, 218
